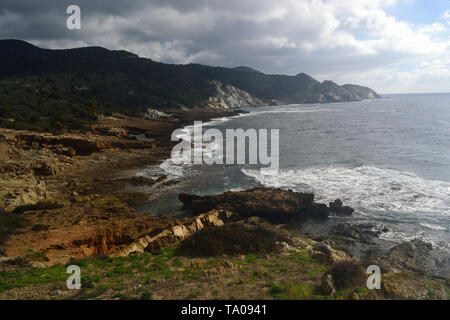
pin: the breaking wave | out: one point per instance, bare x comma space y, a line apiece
381, 190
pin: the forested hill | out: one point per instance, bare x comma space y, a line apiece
71, 87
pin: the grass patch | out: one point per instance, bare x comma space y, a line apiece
291, 291
161, 269
24, 278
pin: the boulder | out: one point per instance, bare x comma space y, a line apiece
326, 254
43, 169
275, 205
337, 208
327, 285
363, 232
154, 114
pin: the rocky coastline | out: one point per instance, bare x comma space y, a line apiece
61, 200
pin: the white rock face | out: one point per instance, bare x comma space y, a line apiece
230, 97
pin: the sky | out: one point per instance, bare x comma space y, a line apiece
392, 46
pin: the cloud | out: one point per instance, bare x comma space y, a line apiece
326, 38
446, 14
433, 28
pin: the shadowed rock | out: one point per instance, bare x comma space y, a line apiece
275, 205
338, 209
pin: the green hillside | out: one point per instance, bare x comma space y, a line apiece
50, 90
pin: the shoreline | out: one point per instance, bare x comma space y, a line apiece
73, 177
83, 210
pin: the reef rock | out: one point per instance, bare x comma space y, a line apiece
275, 205
338, 209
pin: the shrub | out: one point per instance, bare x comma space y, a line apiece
146, 295
276, 288
348, 274
11, 224
42, 205
232, 239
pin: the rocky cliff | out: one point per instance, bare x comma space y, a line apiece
56, 89
230, 97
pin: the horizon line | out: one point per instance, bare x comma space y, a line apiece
436, 92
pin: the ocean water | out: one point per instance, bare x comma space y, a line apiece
388, 158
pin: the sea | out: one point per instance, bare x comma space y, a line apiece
388, 158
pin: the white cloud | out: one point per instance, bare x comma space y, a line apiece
446, 15
433, 28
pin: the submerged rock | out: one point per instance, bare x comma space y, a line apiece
364, 232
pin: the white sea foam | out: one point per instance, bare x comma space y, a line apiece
286, 109
432, 226
174, 171
170, 166
382, 190
419, 208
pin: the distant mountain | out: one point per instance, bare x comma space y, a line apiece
58, 88
246, 69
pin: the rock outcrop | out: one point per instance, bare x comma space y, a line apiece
113, 230
230, 97
275, 205
416, 257
405, 286
337, 208
180, 230
79, 144
150, 114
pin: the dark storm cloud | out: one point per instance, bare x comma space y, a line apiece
277, 36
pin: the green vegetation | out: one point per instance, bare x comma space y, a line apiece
53, 90
165, 275
348, 274
23, 278
146, 295
231, 239
292, 291
10, 223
